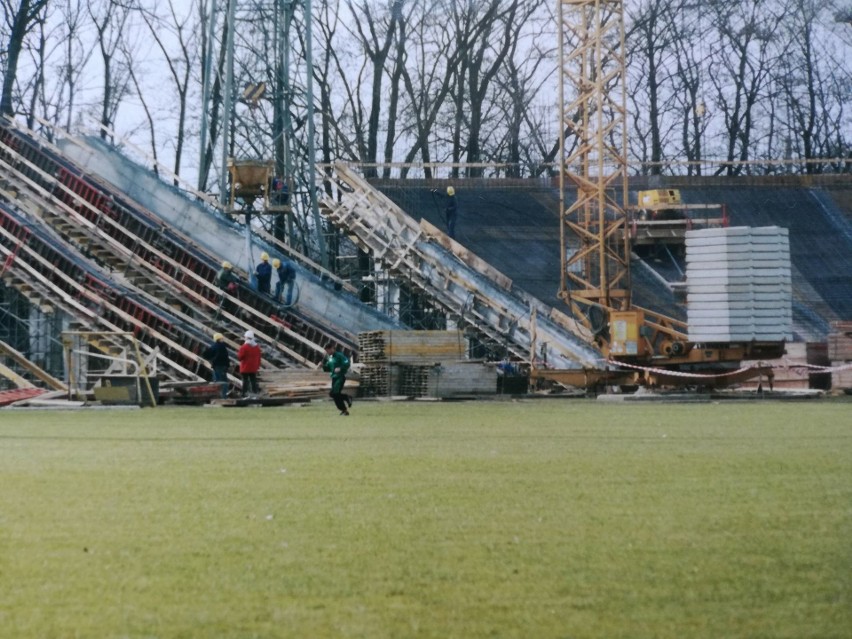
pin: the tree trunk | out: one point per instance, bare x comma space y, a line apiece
21, 25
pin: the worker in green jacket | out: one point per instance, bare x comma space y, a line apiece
337, 364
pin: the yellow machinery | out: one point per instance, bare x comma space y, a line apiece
253, 180
595, 277
661, 217
665, 198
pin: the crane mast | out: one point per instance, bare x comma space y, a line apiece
593, 152
595, 277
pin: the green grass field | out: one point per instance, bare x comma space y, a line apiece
533, 519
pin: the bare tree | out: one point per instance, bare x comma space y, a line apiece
21, 17
651, 51
809, 101
487, 54
110, 20
427, 83
741, 69
688, 85
376, 33
322, 75
76, 53
215, 106
37, 83
181, 31
518, 82
399, 60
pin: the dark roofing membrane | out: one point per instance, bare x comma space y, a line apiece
516, 230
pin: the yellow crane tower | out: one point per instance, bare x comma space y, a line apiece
595, 277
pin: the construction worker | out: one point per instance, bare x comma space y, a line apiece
286, 276
263, 273
249, 357
226, 279
337, 364
217, 354
279, 192
451, 212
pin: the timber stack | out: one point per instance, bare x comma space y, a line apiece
840, 353
421, 364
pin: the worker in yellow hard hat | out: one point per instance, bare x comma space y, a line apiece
226, 279
263, 273
217, 354
451, 212
286, 277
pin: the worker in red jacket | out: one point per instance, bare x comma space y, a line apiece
249, 358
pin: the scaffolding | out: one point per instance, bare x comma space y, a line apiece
29, 335
110, 365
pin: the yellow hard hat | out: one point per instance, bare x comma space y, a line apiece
276, 263
218, 337
227, 264
451, 190
264, 256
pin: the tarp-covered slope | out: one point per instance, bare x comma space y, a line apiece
516, 229
335, 309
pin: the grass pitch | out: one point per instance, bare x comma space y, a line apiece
536, 519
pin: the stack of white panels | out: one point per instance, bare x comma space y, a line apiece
738, 284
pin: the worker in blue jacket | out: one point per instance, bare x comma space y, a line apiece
263, 273
220, 360
286, 277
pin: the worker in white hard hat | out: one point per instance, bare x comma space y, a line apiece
263, 273
249, 357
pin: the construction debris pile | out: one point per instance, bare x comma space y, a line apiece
301, 384
421, 364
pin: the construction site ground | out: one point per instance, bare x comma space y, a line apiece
87, 234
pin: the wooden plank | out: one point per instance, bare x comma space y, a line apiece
410, 347
13, 377
37, 371
839, 347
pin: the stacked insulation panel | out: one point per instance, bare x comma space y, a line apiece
739, 286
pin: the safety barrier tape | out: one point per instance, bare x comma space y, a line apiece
814, 367
670, 373
786, 366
